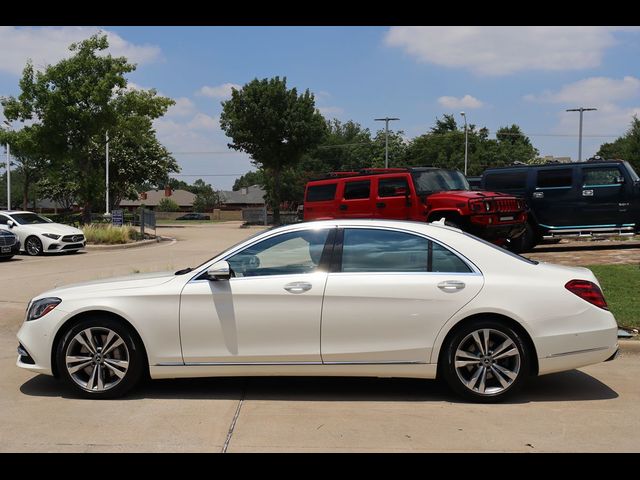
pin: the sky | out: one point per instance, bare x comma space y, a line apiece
496, 75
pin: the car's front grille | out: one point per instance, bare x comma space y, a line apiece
7, 240
508, 205
73, 238
72, 246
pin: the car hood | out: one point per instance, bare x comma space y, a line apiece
137, 280
55, 228
467, 194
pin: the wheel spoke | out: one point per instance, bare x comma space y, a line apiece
507, 344
483, 378
78, 367
117, 363
472, 381
476, 338
508, 353
467, 355
486, 333
464, 363
504, 371
92, 379
115, 344
108, 340
77, 358
88, 342
99, 375
499, 376
119, 373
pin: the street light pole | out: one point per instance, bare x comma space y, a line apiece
466, 143
106, 210
386, 121
581, 110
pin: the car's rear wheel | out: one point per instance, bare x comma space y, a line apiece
485, 361
526, 241
33, 246
100, 358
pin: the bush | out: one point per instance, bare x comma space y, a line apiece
109, 235
167, 205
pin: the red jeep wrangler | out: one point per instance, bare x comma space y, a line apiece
417, 193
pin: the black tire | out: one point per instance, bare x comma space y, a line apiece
33, 246
100, 325
4, 259
494, 390
525, 242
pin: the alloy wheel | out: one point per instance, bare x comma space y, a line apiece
97, 359
33, 246
487, 361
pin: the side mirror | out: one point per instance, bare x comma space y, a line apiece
10, 223
219, 271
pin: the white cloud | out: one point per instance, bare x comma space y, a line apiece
182, 108
591, 92
202, 121
331, 111
222, 91
48, 45
463, 102
504, 50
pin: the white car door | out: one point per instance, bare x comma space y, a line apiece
389, 296
268, 313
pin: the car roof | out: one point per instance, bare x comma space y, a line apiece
556, 165
13, 212
366, 222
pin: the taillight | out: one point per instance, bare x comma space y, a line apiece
588, 291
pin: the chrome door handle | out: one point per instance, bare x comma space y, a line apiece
538, 194
451, 285
587, 193
297, 287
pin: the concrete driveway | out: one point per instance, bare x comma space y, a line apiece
591, 409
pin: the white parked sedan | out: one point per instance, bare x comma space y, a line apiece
39, 234
340, 297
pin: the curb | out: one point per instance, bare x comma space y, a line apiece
629, 345
142, 243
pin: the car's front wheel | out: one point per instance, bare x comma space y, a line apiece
485, 361
33, 246
100, 358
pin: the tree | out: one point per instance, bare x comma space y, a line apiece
626, 147
75, 103
206, 197
274, 125
167, 205
248, 179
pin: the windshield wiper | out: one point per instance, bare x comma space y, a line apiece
183, 271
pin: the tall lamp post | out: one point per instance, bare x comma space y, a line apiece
106, 208
466, 143
8, 168
386, 121
581, 110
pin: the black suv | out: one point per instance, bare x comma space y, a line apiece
592, 198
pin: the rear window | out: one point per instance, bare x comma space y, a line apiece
355, 190
319, 193
556, 178
506, 181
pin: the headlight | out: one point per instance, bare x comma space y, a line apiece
52, 236
39, 308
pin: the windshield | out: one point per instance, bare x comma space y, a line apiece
429, 181
29, 218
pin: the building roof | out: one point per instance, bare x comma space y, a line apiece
182, 197
253, 195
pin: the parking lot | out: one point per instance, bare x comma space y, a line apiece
591, 409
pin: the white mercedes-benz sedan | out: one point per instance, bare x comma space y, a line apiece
342, 297
39, 234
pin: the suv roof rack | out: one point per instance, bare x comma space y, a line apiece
375, 171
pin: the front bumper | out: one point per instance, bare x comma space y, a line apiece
497, 231
15, 250
36, 340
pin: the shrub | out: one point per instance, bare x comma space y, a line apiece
109, 235
167, 205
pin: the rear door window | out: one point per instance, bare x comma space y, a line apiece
601, 176
319, 193
393, 187
555, 178
506, 181
357, 190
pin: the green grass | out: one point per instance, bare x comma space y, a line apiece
621, 287
110, 235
